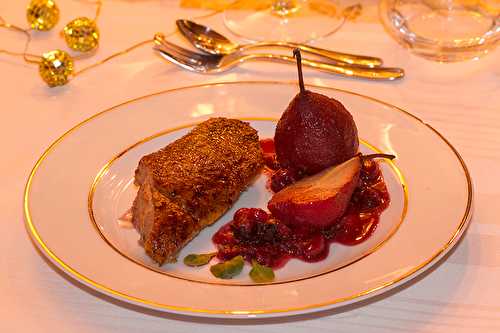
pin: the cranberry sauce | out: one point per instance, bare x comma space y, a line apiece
278, 177
255, 234
269, 152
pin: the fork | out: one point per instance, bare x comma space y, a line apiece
209, 63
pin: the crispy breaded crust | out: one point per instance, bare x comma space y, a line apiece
191, 182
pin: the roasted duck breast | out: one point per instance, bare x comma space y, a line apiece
193, 181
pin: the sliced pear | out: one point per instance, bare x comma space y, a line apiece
317, 201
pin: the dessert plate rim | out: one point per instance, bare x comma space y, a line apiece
31, 225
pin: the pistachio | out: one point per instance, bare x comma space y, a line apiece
261, 273
228, 269
195, 260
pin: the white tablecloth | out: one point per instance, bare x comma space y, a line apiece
460, 294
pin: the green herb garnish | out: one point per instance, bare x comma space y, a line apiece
195, 260
261, 273
228, 269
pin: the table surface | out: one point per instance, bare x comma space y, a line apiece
461, 293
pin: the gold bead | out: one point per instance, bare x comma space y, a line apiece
82, 34
42, 14
56, 67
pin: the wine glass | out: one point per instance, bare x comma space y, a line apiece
444, 30
283, 20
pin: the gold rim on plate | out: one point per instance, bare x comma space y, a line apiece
186, 310
106, 167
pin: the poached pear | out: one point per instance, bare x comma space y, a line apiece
315, 132
317, 201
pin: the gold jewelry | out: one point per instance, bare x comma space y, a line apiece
42, 14
82, 33
55, 68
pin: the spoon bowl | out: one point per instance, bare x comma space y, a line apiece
206, 39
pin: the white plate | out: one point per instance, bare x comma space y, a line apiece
80, 234
113, 193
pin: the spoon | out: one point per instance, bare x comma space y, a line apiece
211, 63
212, 42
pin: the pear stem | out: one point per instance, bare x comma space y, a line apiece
371, 156
297, 55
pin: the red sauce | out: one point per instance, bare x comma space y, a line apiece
255, 234
270, 161
267, 146
278, 178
